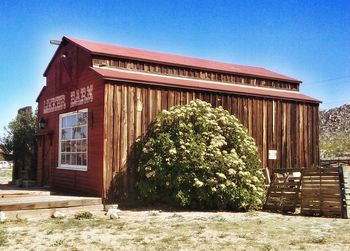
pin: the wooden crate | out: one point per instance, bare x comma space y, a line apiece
321, 192
283, 192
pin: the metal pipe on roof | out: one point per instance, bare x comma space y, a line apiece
55, 42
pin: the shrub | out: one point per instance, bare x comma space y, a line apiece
200, 157
83, 215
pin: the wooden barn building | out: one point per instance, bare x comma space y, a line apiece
99, 98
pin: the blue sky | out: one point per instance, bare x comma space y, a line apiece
307, 40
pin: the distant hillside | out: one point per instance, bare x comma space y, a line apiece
335, 122
335, 131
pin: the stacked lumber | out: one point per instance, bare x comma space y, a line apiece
321, 192
283, 193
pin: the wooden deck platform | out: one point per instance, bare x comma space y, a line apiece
46, 201
22, 193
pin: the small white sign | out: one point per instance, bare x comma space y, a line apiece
272, 154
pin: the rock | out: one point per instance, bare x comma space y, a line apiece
110, 206
113, 213
335, 121
58, 214
2, 216
334, 132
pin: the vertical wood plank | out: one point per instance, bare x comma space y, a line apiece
124, 138
171, 98
306, 154
117, 123
164, 100
107, 153
265, 128
130, 177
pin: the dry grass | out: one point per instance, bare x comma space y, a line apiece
153, 230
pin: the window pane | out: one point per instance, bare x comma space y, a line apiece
79, 159
63, 158
79, 146
66, 134
73, 146
82, 118
84, 159
83, 145
83, 132
63, 146
72, 120
64, 122
73, 159
76, 132
68, 162
68, 148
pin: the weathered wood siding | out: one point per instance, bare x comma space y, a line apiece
180, 71
289, 127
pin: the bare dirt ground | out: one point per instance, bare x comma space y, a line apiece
157, 230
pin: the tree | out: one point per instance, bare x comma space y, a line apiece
197, 156
20, 140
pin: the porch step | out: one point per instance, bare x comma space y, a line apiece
46, 201
22, 193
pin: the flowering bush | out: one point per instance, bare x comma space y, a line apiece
200, 157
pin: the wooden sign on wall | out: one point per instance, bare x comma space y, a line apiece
55, 104
78, 97
81, 96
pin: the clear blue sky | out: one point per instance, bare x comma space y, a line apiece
307, 40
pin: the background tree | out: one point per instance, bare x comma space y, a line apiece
20, 140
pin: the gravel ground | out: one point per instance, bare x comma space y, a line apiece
158, 230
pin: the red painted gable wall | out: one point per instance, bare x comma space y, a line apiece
64, 75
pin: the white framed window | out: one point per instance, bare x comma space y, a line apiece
73, 140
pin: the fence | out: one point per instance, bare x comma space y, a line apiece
335, 162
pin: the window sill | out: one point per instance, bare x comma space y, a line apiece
73, 168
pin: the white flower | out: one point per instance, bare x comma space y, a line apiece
221, 175
231, 171
198, 183
255, 179
150, 174
172, 151
222, 186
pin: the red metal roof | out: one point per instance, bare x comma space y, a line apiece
171, 59
201, 85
